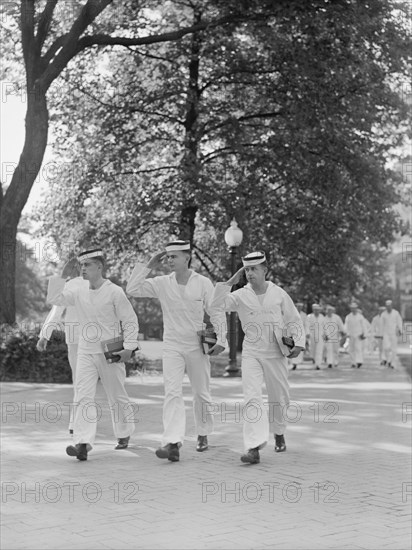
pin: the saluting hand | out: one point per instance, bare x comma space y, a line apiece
70, 268
156, 259
236, 277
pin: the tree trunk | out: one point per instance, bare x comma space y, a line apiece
16, 197
190, 164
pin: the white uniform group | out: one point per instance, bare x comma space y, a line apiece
95, 311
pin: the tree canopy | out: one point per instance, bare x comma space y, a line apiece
285, 121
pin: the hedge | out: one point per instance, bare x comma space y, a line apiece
21, 362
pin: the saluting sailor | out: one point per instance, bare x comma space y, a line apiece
184, 297
267, 314
103, 313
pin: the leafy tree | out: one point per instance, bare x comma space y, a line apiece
46, 43
285, 121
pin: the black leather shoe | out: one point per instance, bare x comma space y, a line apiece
294, 367
317, 368
280, 445
169, 451
390, 366
122, 442
359, 365
251, 457
202, 444
329, 366
353, 366
71, 432
79, 451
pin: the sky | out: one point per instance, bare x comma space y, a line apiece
12, 113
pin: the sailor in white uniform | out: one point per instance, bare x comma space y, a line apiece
333, 331
295, 361
391, 329
267, 315
377, 333
184, 298
316, 324
64, 318
356, 328
103, 313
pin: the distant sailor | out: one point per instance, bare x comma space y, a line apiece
356, 328
316, 324
391, 330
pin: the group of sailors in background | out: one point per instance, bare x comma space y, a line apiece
327, 333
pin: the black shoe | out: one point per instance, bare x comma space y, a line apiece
202, 444
383, 363
390, 366
79, 451
329, 366
294, 367
169, 451
251, 457
122, 442
280, 445
353, 366
317, 368
359, 365
71, 432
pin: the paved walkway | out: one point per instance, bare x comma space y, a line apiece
344, 482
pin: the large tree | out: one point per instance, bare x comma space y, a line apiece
285, 122
49, 41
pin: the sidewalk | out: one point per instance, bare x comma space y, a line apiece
344, 482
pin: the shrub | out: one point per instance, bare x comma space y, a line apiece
21, 362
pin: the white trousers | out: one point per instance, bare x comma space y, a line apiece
390, 348
260, 420
316, 349
332, 352
72, 356
87, 412
379, 345
356, 349
197, 366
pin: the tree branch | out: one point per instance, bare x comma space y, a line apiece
43, 26
88, 14
107, 40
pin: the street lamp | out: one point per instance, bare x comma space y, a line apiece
233, 238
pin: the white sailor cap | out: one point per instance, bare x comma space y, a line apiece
353, 304
388, 303
316, 306
87, 254
174, 246
254, 258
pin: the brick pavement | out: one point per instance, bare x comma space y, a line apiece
344, 482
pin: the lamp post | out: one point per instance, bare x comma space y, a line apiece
233, 238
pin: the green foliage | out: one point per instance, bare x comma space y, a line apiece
21, 362
298, 111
